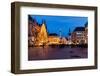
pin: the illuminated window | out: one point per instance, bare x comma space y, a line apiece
78, 33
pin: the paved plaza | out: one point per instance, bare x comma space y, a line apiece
47, 53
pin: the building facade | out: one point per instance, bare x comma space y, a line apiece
80, 35
33, 30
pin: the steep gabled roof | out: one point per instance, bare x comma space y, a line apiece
86, 24
30, 18
79, 29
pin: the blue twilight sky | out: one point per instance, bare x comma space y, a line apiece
61, 24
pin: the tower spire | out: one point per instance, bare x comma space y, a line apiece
69, 33
60, 32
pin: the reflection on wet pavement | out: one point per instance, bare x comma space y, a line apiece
46, 53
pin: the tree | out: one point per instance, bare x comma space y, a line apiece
42, 37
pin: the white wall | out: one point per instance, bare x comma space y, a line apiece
5, 42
